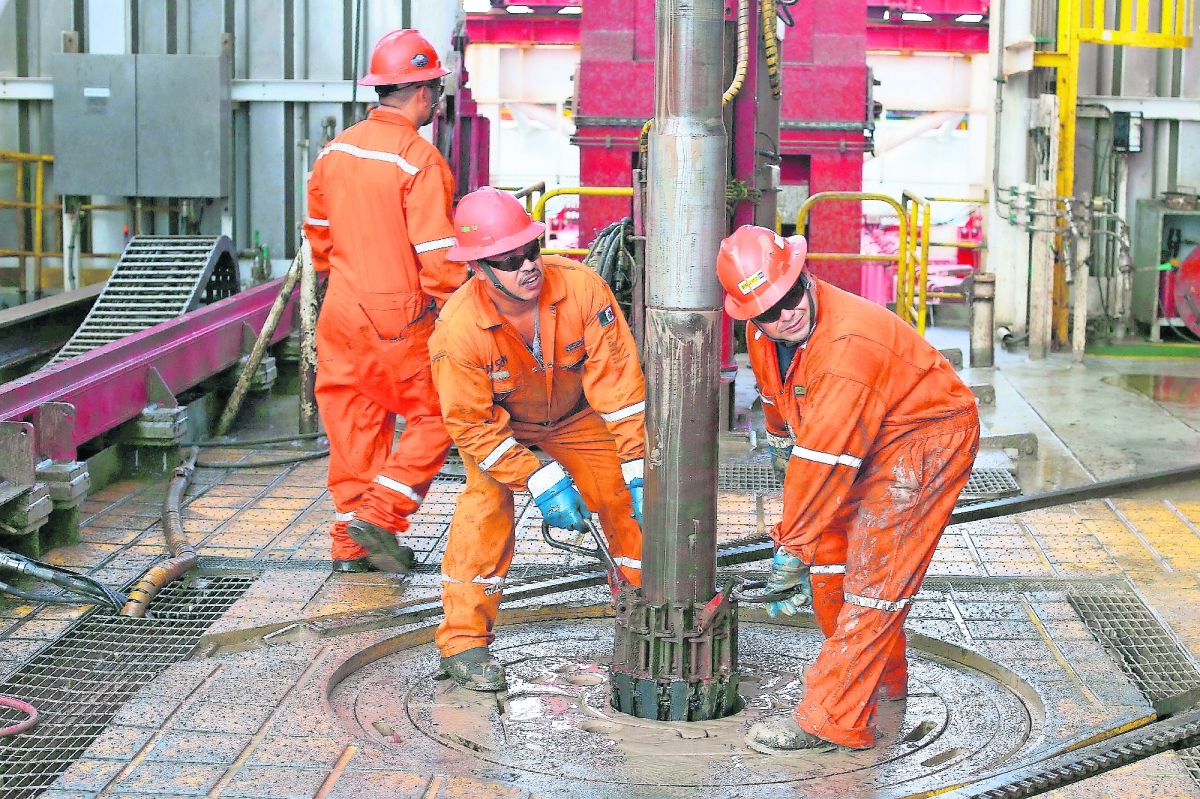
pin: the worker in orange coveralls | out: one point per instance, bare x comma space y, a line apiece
379, 206
533, 351
878, 435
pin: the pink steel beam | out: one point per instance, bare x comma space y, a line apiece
108, 386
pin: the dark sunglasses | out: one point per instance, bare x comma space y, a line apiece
514, 262
786, 303
438, 88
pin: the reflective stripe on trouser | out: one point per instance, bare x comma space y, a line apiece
482, 541
887, 531
363, 383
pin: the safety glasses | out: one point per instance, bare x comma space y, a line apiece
514, 262
786, 303
438, 87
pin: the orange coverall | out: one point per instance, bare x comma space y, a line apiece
584, 409
883, 435
379, 205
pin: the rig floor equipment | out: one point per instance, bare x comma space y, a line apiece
158, 278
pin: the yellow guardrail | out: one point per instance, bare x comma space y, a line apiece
539, 210
910, 291
38, 206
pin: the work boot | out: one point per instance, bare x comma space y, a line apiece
383, 550
475, 669
783, 734
354, 565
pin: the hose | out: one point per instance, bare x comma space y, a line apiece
644, 141
183, 554
24, 707
771, 47
80, 585
252, 442
743, 52
285, 461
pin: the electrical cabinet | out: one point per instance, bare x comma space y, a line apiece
95, 124
142, 125
1161, 234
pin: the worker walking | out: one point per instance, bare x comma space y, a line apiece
879, 435
533, 352
379, 205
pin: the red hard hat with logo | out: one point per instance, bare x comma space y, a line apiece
490, 222
757, 267
403, 56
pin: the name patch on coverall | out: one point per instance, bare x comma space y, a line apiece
799, 390
606, 317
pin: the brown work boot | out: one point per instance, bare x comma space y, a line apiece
383, 550
475, 669
784, 734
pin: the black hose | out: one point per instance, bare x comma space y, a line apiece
80, 585
307, 456
253, 442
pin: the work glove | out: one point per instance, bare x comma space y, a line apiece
558, 499
632, 472
789, 587
780, 457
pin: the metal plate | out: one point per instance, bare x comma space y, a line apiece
987, 484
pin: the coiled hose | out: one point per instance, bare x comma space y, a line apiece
743, 52
611, 256
771, 47
183, 554
16, 704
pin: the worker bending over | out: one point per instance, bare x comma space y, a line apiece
533, 351
879, 435
379, 205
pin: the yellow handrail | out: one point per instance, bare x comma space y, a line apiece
912, 288
905, 289
38, 205
539, 210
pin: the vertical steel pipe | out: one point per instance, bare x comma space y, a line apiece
983, 299
685, 218
308, 342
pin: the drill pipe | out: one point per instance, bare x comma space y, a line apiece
183, 554
685, 224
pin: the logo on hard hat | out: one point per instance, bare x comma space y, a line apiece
420, 61
751, 283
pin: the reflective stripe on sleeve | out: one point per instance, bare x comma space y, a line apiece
877, 604
348, 516
436, 244
633, 470
624, 413
399, 488
370, 155
497, 453
828, 458
831, 568
317, 222
628, 563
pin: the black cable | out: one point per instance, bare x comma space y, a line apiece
50, 599
253, 442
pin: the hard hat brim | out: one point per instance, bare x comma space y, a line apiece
400, 79
506, 244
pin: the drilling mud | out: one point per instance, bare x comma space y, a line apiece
554, 732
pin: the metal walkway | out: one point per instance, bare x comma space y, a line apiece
158, 278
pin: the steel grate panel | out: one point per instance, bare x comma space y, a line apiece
987, 484
80, 681
747, 477
1152, 658
1191, 761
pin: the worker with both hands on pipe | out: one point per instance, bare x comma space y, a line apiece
379, 207
877, 435
533, 352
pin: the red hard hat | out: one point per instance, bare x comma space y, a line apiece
757, 267
403, 56
489, 222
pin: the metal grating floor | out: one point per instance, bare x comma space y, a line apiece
80, 681
987, 484
747, 477
1191, 761
1152, 658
